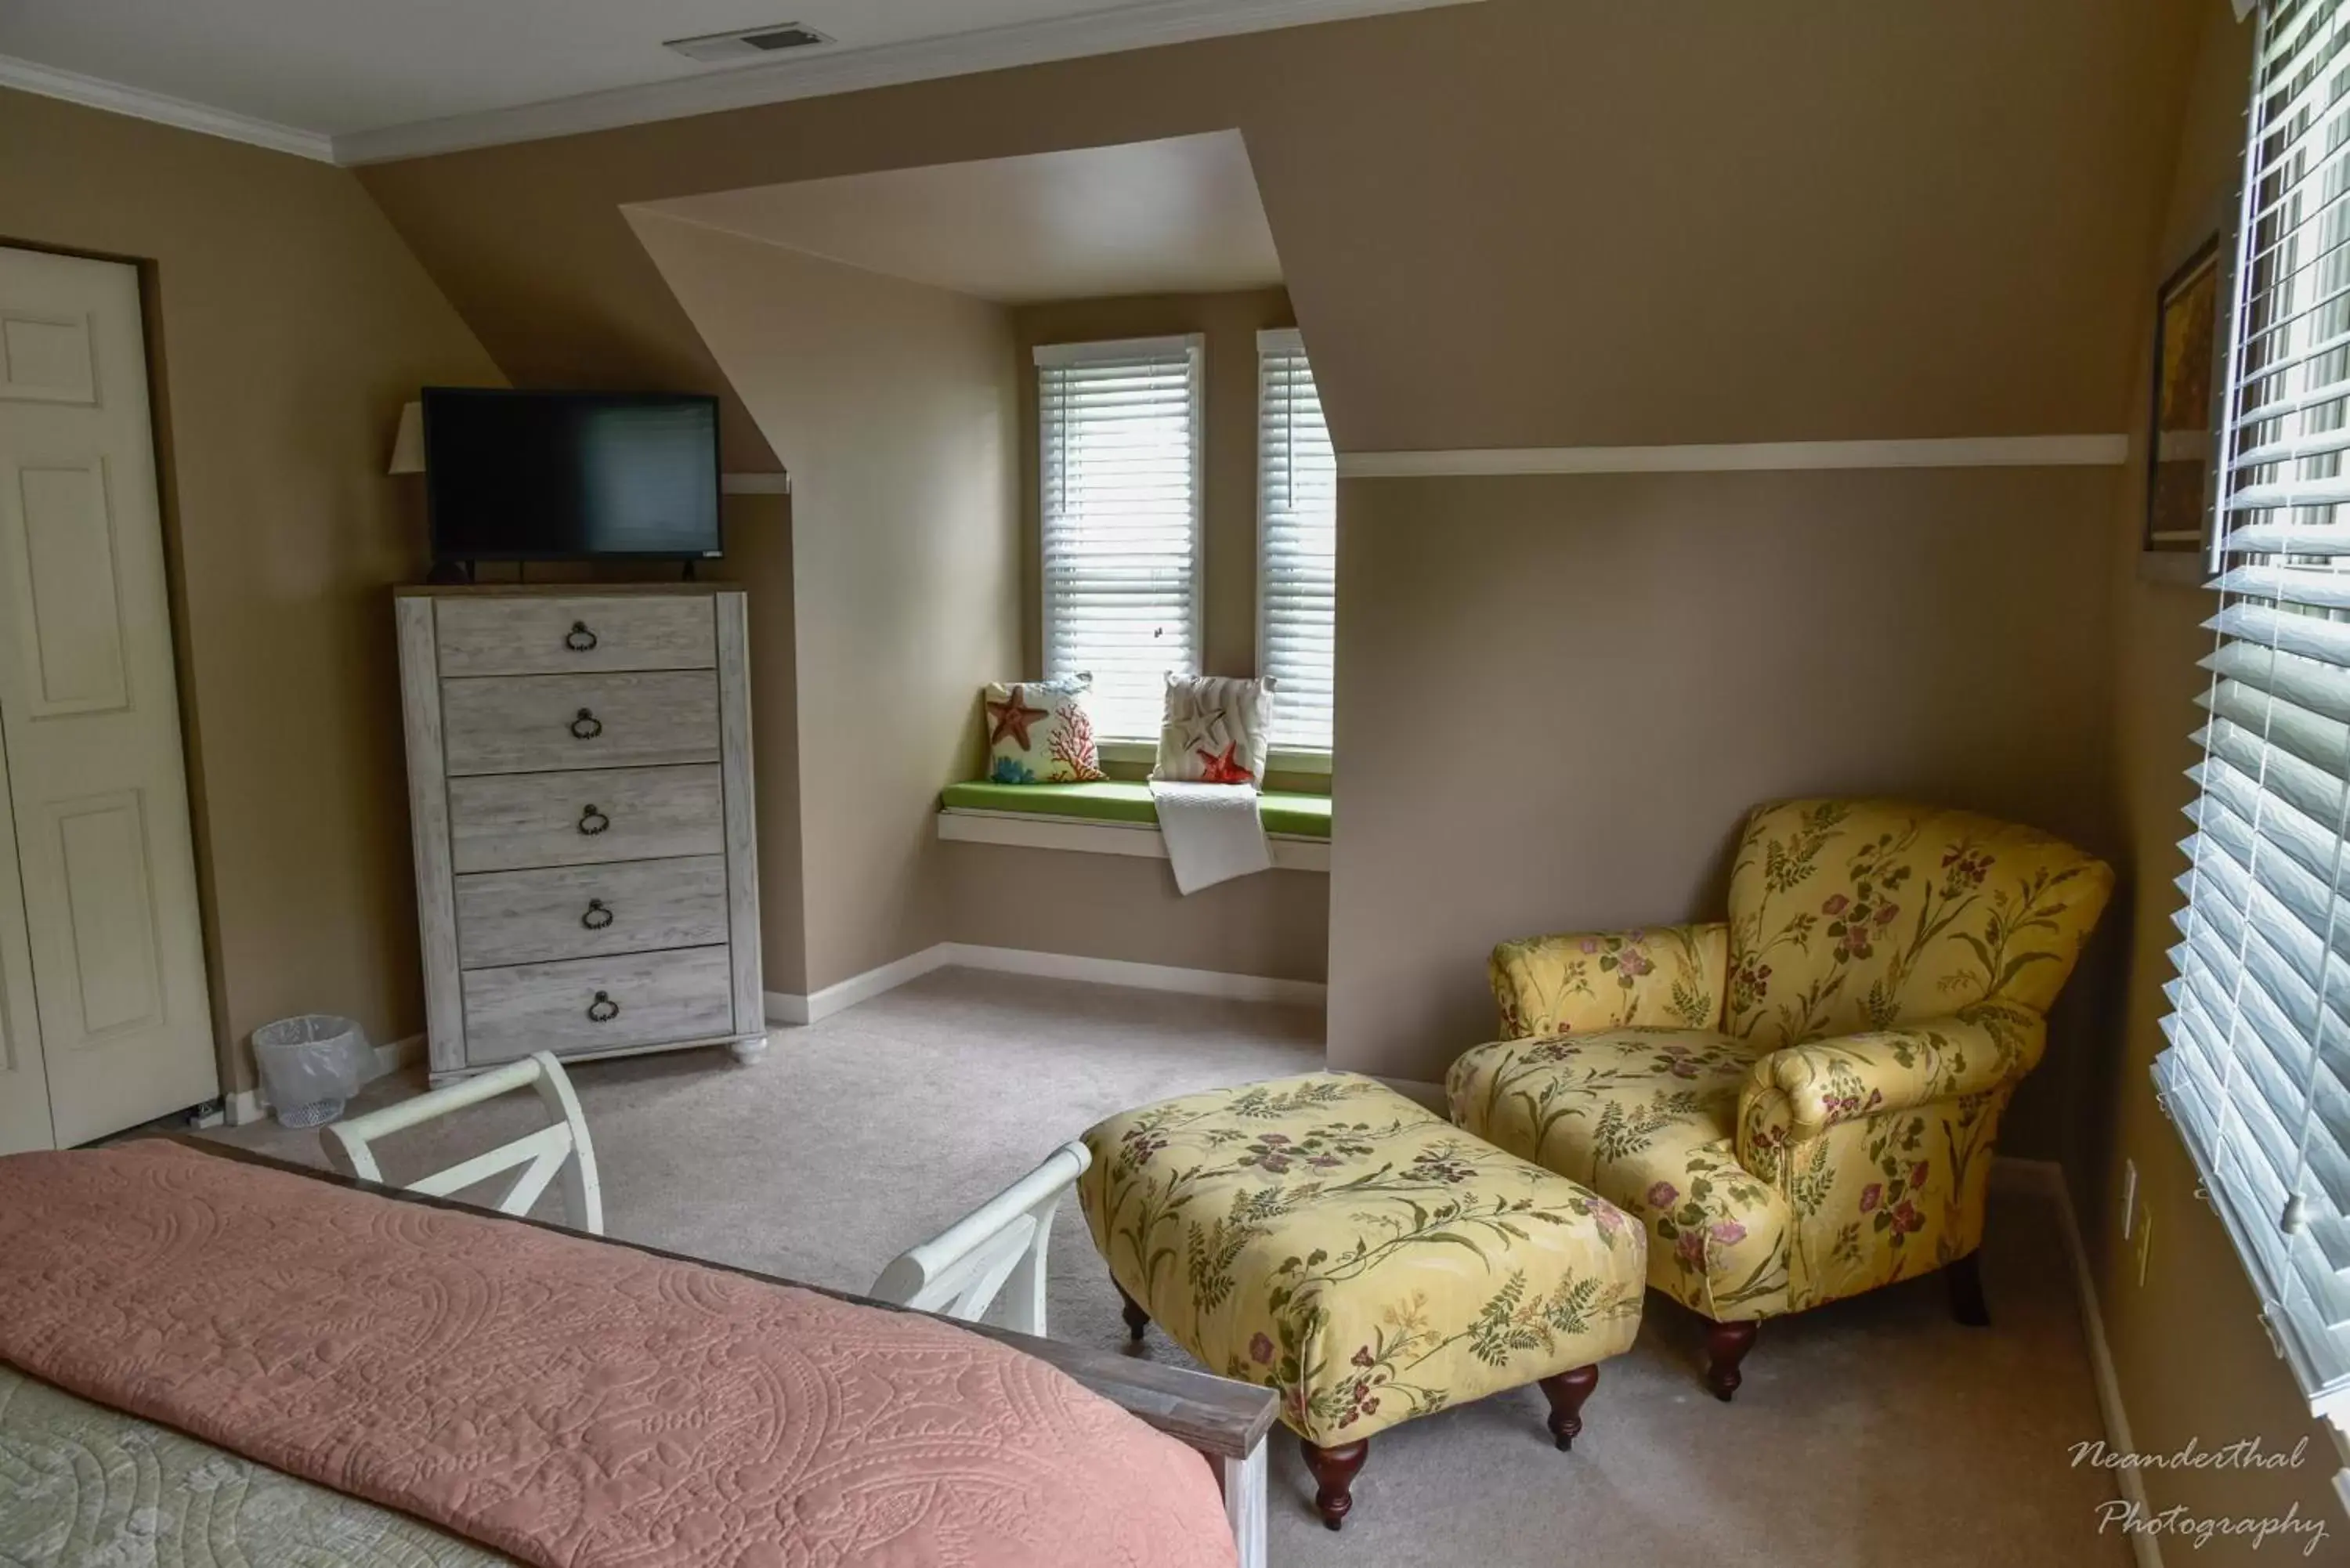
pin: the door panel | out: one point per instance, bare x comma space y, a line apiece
89, 707
69, 628
46, 358
24, 1086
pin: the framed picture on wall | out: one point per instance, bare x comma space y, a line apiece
2179, 448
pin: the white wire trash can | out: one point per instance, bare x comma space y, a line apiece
311, 1064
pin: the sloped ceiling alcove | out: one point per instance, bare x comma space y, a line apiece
1527, 222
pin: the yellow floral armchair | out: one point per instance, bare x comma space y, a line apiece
1799, 1102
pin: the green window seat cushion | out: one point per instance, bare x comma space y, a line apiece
1302, 815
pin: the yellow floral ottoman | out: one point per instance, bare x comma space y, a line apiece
1327, 1237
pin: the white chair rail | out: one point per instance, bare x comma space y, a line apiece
960, 1273
560, 1150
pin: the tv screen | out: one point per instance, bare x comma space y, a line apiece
546, 476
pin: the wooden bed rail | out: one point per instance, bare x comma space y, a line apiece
1222, 1420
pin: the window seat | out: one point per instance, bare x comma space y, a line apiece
1116, 818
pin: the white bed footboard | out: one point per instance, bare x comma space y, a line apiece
958, 1272
560, 1149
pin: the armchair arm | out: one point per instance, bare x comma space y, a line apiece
1668, 977
1800, 1091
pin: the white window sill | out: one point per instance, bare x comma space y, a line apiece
1138, 839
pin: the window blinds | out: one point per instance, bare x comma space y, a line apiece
1297, 541
1120, 479
2257, 1075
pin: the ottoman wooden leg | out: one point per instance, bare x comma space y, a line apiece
1137, 1320
1965, 1278
1566, 1393
1334, 1478
1726, 1345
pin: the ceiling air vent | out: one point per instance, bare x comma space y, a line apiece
757, 42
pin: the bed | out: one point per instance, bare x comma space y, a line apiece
210, 1355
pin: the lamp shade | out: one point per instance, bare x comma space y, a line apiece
408, 446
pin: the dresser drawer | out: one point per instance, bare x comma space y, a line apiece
597, 1004
534, 723
520, 821
496, 635
588, 911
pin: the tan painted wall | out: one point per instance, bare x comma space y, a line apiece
1275, 924
1558, 696
2191, 1358
892, 405
290, 323
1521, 223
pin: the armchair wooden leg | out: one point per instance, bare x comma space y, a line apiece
1334, 1478
1566, 1393
1965, 1279
1726, 1345
1137, 1320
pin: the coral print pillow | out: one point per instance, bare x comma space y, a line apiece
1039, 732
1216, 731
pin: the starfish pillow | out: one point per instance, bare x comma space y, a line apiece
1217, 730
1039, 732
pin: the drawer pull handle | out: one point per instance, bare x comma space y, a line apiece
593, 822
587, 727
579, 639
603, 1010
597, 915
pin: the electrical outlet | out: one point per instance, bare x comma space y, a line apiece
2145, 1243
2129, 1197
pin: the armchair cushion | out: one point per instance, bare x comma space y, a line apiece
1847, 916
1668, 977
1647, 1118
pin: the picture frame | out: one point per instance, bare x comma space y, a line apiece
2183, 415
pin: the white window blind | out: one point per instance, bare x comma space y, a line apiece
1297, 542
2257, 1074
1119, 477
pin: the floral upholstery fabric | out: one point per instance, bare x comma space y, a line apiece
1852, 915
1648, 1119
1669, 978
1887, 972
1326, 1237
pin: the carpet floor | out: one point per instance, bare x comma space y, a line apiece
1869, 1432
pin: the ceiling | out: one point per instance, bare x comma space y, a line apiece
1177, 216
362, 80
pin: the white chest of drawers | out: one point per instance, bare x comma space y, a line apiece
580, 783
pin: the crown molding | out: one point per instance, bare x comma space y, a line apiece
113, 97
1754, 457
1133, 26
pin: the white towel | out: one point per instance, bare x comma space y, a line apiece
1213, 831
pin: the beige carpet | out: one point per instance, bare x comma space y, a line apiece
1872, 1432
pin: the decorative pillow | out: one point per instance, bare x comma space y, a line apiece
1039, 732
1217, 730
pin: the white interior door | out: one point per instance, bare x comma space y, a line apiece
90, 709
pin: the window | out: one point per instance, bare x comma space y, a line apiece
1120, 491
1297, 542
2257, 1074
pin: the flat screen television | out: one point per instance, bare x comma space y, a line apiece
558, 476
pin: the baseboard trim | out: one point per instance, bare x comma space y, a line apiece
2046, 1178
249, 1106
783, 1007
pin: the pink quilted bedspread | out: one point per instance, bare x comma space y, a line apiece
562, 1400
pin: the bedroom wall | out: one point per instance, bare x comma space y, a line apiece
2188, 1351
892, 406
287, 322
1706, 223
